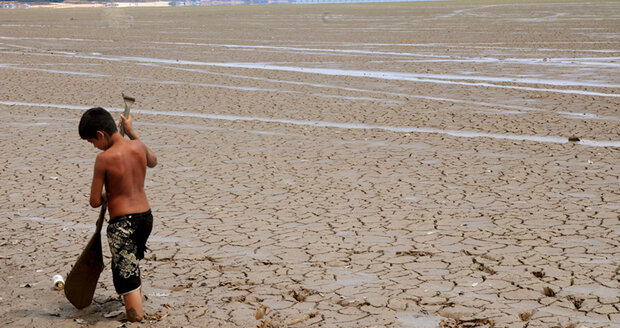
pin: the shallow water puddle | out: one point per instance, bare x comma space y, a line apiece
427, 78
51, 71
412, 77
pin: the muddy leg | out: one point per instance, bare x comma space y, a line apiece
133, 306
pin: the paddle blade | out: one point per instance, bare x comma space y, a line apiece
81, 282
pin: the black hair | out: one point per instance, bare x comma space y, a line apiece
96, 119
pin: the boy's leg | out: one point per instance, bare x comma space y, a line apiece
133, 306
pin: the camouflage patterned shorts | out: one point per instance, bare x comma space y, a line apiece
127, 237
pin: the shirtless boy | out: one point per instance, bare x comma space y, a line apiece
121, 168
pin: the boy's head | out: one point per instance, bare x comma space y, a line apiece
96, 119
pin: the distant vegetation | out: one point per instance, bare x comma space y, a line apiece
64, 0
32, 0
74, 1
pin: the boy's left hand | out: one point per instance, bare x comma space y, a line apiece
127, 124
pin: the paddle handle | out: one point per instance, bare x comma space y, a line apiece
104, 207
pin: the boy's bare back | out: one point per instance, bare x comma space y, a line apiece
121, 168
125, 168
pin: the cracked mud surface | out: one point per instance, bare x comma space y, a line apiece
372, 165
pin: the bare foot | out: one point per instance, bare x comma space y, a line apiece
133, 316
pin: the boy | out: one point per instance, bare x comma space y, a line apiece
121, 168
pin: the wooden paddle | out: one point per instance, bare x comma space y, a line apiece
82, 280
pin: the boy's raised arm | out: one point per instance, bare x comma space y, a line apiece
96, 198
127, 123
151, 159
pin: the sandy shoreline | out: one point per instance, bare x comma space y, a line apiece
370, 165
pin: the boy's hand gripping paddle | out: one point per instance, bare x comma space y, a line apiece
82, 280
128, 102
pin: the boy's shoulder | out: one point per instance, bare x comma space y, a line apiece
104, 156
124, 149
113, 151
114, 154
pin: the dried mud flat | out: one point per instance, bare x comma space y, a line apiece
370, 165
